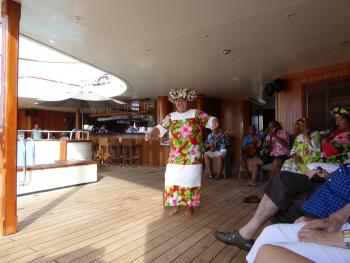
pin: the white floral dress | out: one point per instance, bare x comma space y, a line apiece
184, 168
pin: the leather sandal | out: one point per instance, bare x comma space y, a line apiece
234, 238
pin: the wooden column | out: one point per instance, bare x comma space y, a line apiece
77, 119
164, 107
10, 14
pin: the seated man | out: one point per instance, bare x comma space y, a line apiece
251, 143
277, 146
216, 147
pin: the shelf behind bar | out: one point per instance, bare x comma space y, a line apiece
119, 113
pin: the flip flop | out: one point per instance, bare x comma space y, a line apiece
252, 199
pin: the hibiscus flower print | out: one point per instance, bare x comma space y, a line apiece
185, 131
342, 138
202, 115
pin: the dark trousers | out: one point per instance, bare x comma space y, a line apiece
288, 191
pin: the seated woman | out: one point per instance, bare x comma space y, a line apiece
319, 240
336, 145
216, 146
251, 143
306, 148
277, 142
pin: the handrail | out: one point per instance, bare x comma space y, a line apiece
79, 131
49, 132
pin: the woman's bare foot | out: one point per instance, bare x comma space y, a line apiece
188, 211
174, 210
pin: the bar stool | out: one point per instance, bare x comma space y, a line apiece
116, 149
131, 151
103, 154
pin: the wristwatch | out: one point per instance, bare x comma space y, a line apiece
346, 237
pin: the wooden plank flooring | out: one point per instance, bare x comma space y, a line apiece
120, 219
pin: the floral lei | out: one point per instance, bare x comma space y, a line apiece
189, 95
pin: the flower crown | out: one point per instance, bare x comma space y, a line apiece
339, 111
189, 95
303, 121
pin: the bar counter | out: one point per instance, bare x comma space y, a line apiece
152, 153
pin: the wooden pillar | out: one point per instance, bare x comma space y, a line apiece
77, 119
164, 107
10, 14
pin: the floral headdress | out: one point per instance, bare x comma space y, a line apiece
340, 111
303, 121
189, 95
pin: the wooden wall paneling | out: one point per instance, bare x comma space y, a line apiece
236, 117
290, 101
10, 14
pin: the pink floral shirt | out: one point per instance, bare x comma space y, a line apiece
277, 149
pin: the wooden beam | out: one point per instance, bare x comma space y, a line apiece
10, 14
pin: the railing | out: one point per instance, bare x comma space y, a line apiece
51, 132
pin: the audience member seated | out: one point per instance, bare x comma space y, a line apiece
277, 151
216, 146
131, 128
323, 240
306, 148
36, 132
103, 129
250, 145
336, 145
280, 194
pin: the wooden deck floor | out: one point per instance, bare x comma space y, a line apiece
121, 219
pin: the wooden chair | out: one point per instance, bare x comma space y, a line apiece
131, 152
103, 155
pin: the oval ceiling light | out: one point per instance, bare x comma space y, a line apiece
226, 51
46, 73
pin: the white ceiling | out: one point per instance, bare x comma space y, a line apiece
157, 45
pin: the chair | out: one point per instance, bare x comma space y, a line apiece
116, 149
131, 152
103, 155
227, 164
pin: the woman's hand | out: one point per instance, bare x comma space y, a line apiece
152, 135
322, 237
311, 173
330, 224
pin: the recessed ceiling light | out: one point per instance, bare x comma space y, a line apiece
79, 18
235, 78
51, 41
148, 50
289, 15
226, 51
36, 103
207, 35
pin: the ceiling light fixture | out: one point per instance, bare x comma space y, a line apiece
289, 15
235, 78
148, 50
226, 51
207, 35
79, 18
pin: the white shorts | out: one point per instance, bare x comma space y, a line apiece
215, 154
286, 235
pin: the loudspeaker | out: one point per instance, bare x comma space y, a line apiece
269, 89
278, 84
31, 112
